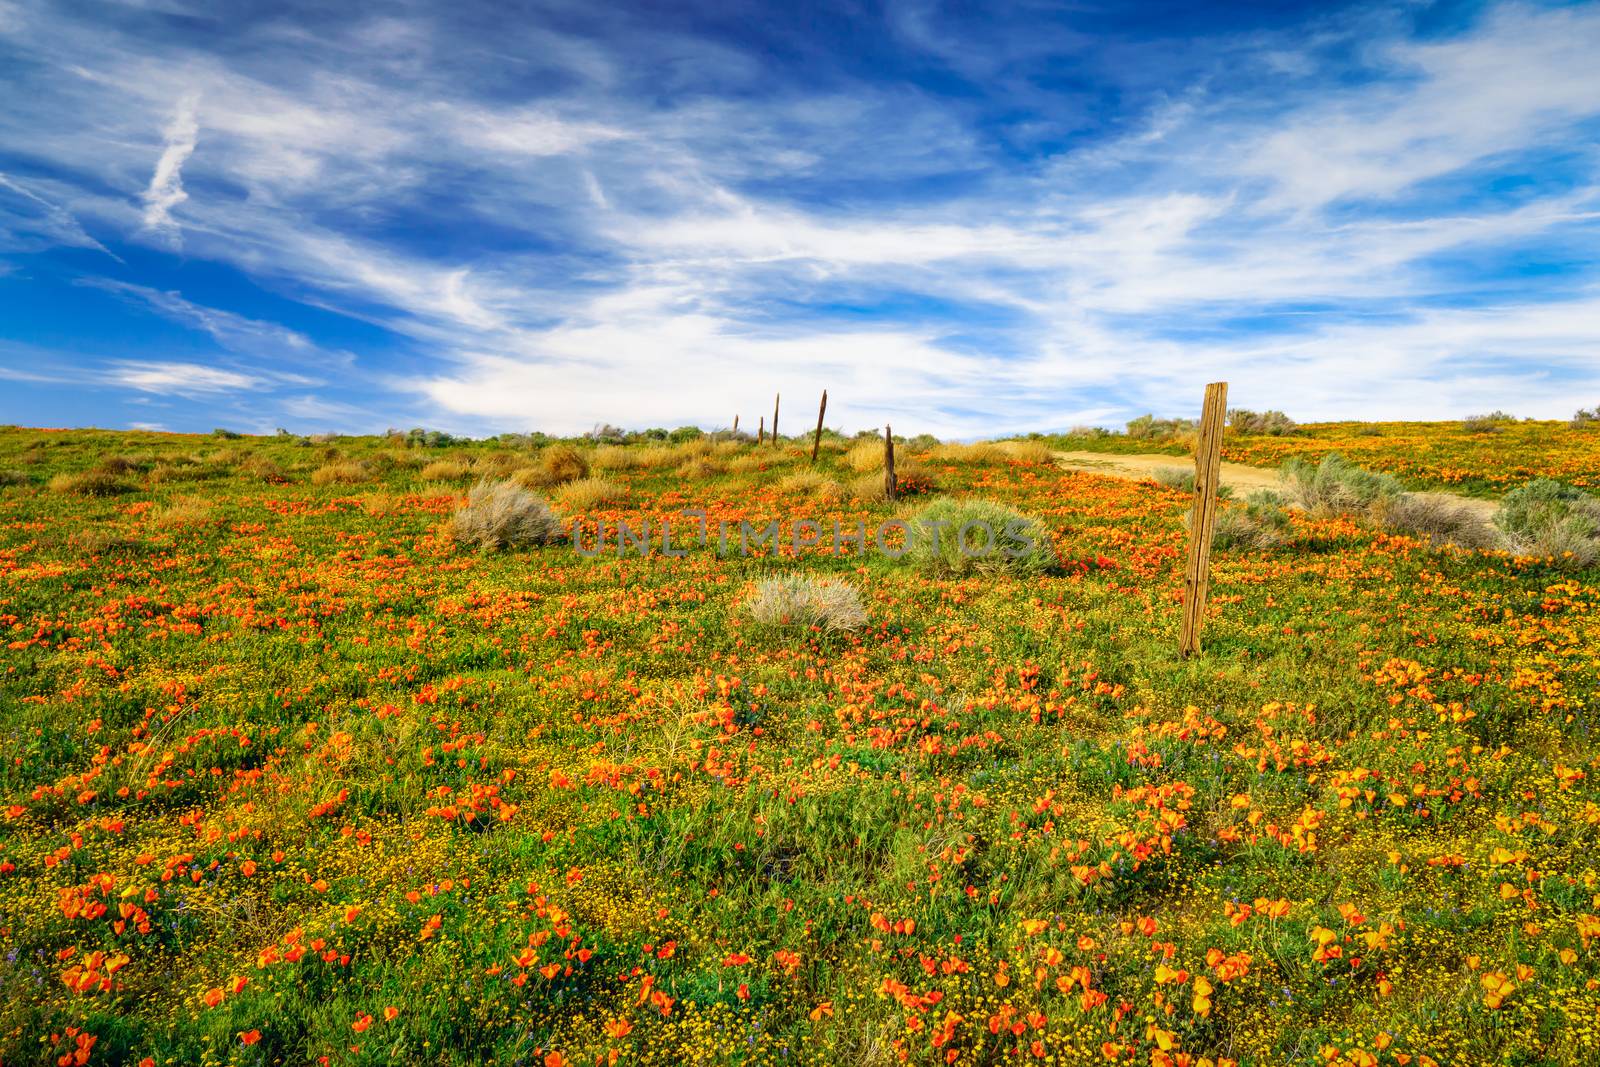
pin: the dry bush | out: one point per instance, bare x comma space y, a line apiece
1439, 519
1551, 520
182, 512
586, 493
803, 601
119, 465
1336, 486
503, 515
910, 478
1585, 417
95, 482
1260, 524
445, 470
342, 472
14, 477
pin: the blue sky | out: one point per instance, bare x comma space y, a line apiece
965, 219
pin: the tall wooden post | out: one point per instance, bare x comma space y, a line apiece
889, 487
735, 426
1203, 516
761, 430
816, 442
775, 398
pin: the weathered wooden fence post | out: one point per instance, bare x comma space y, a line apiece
735, 427
775, 398
889, 486
816, 442
1203, 516
761, 430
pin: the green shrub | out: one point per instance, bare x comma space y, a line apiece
1489, 423
800, 600
1148, 427
961, 537
1548, 519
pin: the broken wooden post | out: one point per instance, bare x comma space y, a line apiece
775, 398
761, 430
888, 463
1203, 516
816, 442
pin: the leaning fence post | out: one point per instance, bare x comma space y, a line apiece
889, 486
1203, 516
735, 426
816, 442
761, 430
775, 398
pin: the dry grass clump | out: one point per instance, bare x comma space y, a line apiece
14, 477
865, 455
96, 482
586, 493
976, 452
185, 511
496, 464
615, 458
342, 472
817, 488
503, 515
699, 468
445, 470
1552, 520
1439, 519
802, 601
760, 459
264, 468
1260, 524
1027, 451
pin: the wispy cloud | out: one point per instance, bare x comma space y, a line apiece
165, 191
177, 379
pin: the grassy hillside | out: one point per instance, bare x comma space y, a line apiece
290, 776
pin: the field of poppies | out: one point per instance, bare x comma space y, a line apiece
289, 775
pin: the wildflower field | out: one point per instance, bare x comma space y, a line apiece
290, 775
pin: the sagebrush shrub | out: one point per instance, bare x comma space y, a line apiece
1489, 423
1439, 519
961, 537
804, 601
1335, 486
1148, 427
1272, 423
1260, 523
504, 515
1547, 518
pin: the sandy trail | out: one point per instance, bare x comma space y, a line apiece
1240, 478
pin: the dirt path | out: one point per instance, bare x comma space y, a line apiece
1240, 478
